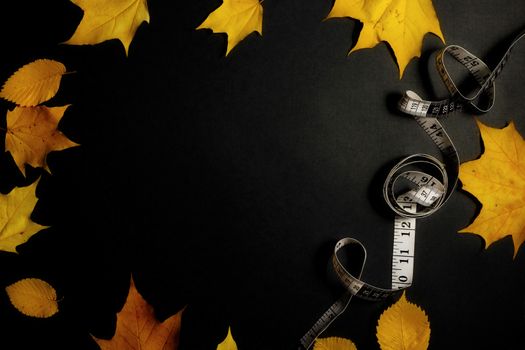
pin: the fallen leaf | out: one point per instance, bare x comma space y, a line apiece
228, 343
138, 329
16, 226
33, 297
236, 18
34, 83
104, 20
32, 133
334, 343
401, 23
497, 180
403, 326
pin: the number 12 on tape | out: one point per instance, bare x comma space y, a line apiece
403, 249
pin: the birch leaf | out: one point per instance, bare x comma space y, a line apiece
334, 343
33, 297
401, 23
138, 329
497, 180
34, 83
16, 226
403, 326
228, 343
236, 18
104, 20
32, 133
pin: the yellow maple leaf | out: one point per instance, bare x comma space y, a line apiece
401, 23
334, 343
33, 297
236, 18
32, 133
138, 329
497, 180
403, 326
34, 83
16, 226
228, 343
104, 20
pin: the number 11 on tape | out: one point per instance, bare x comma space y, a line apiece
403, 249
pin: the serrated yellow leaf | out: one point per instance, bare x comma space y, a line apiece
403, 326
33, 297
138, 329
334, 343
16, 226
104, 20
34, 83
32, 133
401, 23
497, 180
228, 343
236, 18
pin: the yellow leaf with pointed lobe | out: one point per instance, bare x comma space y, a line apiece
403, 326
33, 297
138, 329
334, 343
497, 180
236, 18
401, 23
34, 83
109, 19
228, 343
16, 226
32, 133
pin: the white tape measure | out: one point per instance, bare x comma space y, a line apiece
419, 184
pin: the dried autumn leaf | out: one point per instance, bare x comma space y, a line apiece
497, 180
401, 23
236, 18
104, 20
16, 226
228, 343
34, 83
403, 326
334, 343
138, 329
32, 133
33, 297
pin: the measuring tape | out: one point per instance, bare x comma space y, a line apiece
418, 185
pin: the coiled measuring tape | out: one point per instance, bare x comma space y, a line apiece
418, 185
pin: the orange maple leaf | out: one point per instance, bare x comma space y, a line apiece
138, 329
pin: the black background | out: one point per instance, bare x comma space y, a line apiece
222, 183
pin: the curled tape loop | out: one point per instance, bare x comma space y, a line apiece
412, 104
428, 191
353, 284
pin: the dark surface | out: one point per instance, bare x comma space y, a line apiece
223, 183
